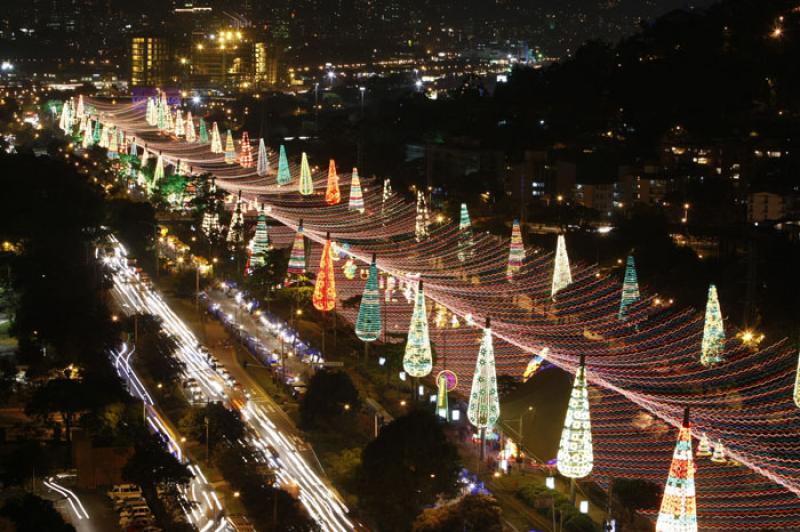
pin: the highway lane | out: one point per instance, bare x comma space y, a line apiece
278, 447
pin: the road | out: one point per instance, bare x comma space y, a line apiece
279, 447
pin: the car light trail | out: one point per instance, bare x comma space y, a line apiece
74, 501
321, 502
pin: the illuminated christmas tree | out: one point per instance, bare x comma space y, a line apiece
179, 128
630, 288
297, 259
356, 202
797, 384
678, 511
216, 140
719, 453
418, 357
713, 344
332, 194
65, 122
191, 137
260, 241
442, 404
305, 185
81, 108
704, 447
324, 297
422, 221
483, 409
284, 176
236, 229
98, 128
203, 139
575, 456
246, 151
464, 234
150, 113
183, 168
123, 146
82, 125
210, 225
262, 165
387, 193
113, 146
158, 173
162, 118
562, 276
516, 254
103, 136
170, 122
368, 322
230, 149
88, 140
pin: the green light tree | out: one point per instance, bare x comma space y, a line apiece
368, 322
630, 288
464, 234
284, 176
260, 241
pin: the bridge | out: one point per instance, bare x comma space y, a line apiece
644, 371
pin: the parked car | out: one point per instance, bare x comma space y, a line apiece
125, 491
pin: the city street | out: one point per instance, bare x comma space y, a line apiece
271, 434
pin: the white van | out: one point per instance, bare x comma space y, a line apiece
125, 491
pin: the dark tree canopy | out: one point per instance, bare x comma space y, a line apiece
152, 464
330, 394
224, 426
406, 468
30, 513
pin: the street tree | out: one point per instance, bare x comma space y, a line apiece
330, 395
407, 467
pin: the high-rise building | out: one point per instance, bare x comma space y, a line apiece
231, 59
150, 61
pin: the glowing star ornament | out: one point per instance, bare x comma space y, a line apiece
284, 176
418, 357
297, 258
678, 511
483, 409
713, 345
464, 234
332, 194
368, 322
324, 297
230, 149
704, 447
245, 151
575, 455
423, 219
562, 276
191, 136
516, 254
356, 202
216, 140
305, 184
262, 165
203, 137
630, 288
